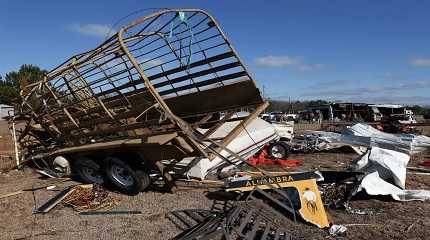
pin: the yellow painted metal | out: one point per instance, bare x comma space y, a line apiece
312, 208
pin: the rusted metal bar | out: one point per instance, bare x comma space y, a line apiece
211, 130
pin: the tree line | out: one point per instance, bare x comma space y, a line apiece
11, 84
293, 106
13, 81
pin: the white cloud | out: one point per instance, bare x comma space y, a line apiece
276, 61
414, 99
92, 29
287, 61
365, 91
309, 67
420, 62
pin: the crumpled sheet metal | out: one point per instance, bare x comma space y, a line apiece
330, 140
383, 165
367, 136
410, 142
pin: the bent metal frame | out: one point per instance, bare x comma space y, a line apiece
170, 72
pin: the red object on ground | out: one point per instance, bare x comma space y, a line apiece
425, 164
264, 159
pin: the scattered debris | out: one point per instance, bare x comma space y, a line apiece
51, 203
47, 187
426, 164
408, 229
417, 169
300, 189
91, 213
356, 211
336, 230
49, 173
11, 194
361, 136
89, 198
412, 143
263, 159
387, 175
375, 185
252, 219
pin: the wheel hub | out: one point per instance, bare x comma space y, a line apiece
92, 174
278, 152
122, 175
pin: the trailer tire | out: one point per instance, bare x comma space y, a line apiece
279, 150
124, 177
88, 171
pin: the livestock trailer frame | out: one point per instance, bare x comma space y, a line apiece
153, 85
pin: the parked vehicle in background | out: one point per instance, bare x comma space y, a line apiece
292, 117
398, 123
403, 118
284, 128
427, 116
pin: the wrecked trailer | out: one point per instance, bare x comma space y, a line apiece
166, 93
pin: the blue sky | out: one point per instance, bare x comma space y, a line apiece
368, 51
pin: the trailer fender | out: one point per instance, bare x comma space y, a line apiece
61, 164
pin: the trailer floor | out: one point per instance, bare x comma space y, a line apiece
396, 220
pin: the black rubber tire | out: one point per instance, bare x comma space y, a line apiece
82, 168
138, 179
280, 149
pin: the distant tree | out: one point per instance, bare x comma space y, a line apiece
13, 81
293, 106
419, 110
297, 106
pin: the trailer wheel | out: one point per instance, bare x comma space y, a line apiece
124, 177
88, 171
279, 150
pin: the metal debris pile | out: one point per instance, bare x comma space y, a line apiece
89, 198
249, 219
334, 193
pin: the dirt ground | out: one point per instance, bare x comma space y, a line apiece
395, 220
6, 147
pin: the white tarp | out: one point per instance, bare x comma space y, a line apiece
382, 166
375, 185
388, 163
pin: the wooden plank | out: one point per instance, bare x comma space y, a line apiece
11, 194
